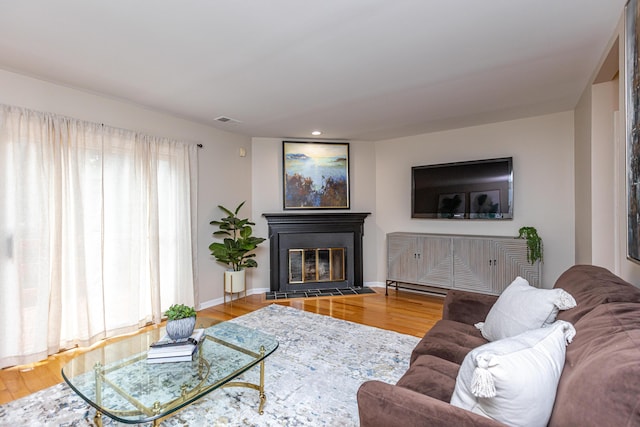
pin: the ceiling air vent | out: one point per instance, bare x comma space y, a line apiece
224, 119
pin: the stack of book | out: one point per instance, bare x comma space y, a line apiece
168, 350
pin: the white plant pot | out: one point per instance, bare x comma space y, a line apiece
234, 281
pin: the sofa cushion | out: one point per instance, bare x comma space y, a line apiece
432, 376
522, 307
384, 405
592, 286
448, 340
467, 307
514, 380
599, 385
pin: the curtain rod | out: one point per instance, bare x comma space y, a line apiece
197, 145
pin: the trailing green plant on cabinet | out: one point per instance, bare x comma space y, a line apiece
534, 243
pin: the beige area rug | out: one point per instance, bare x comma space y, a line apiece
311, 379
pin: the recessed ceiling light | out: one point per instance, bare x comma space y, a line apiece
316, 133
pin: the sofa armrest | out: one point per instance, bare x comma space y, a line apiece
383, 405
467, 307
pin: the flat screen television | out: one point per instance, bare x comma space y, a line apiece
479, 189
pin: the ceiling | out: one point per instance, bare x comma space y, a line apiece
354, 69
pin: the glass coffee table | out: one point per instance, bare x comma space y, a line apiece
118, 382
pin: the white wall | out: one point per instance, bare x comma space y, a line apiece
223, 178
582, 189
604, 237
542, 151
598, 162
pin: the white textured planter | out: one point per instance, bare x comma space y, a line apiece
181, 328
234, 281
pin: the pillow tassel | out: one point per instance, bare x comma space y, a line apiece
569, 331
482, 384
479, 325
564, 301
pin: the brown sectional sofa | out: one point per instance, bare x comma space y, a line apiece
600, 382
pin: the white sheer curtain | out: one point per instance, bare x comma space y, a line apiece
97, 231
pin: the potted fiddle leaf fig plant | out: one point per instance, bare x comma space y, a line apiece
236, 249
181, 321
534, 243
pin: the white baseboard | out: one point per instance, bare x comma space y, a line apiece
218, 301
374, 284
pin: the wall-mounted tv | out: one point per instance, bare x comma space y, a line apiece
479, 189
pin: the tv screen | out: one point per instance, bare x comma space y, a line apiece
480, 189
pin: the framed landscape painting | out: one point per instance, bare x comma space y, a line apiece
316, 175
632, 89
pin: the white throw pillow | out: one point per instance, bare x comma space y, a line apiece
514, 380
522, 307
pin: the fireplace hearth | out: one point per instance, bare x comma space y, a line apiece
315, 250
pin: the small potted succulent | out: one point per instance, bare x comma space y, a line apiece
181, 321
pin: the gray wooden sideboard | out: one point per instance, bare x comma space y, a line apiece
437, 262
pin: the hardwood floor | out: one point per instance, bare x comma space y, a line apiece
404, 312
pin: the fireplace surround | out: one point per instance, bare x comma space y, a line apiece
326, 247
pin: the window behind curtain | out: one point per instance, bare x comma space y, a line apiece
96, 231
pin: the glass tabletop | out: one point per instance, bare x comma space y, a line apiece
119, 382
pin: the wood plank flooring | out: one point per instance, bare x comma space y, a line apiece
401, 311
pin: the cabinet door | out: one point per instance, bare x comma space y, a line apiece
402, 263
435, 261
511, 261
473, 265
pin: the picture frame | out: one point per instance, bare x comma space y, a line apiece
632, 100
315, 175
484, 204
452, 205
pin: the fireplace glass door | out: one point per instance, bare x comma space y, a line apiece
316, 265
